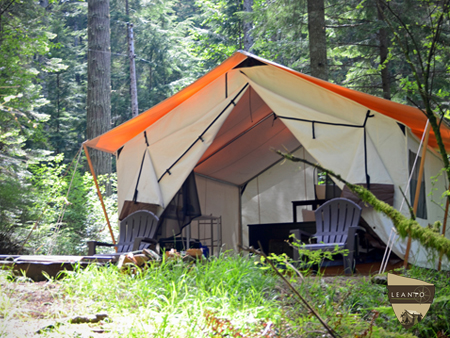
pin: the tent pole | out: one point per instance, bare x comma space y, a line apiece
240, 220
419, 185
99, 193
444, 229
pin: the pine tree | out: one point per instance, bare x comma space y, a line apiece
99, 80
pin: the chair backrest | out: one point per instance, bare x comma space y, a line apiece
333, 218
140, 223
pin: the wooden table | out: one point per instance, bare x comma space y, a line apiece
272, 236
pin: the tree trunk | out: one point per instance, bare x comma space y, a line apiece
248, 25
99, 80
382, 37
133, 80
317, 39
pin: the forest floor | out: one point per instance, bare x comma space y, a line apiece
223, 297
42, 309
35, 309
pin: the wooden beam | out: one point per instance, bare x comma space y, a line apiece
99, 193
240, 221
419, 185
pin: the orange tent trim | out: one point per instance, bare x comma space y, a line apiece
412, 117
112, 140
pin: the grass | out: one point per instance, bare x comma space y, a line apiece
231, 296
175, 298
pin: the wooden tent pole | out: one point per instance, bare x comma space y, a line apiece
419, 185
240, 220
444, 229
99, 193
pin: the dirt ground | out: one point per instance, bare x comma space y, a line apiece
41, 309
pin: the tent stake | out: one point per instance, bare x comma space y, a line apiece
419, 185
444, 229
99, 193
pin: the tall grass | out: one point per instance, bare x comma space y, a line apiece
172, 298
230, 296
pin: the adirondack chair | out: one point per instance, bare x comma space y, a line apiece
136, 232
336, 224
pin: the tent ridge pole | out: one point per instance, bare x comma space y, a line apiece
91, 167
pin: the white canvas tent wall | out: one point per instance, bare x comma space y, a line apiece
226, 125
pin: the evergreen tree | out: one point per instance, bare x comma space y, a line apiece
317, 39
98, 104
281, 32
24, 47
65, 87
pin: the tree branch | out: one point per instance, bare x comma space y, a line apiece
303, 300
6, 8
405, 50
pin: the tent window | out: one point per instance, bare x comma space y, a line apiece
422, 206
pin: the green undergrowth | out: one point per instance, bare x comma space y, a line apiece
182, 300
238, 296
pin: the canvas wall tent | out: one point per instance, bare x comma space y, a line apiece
225, 126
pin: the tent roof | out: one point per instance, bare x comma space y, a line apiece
114, 139
242, 147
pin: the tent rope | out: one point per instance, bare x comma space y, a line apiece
387, 251
63, 210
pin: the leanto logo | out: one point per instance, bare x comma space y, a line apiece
410, 298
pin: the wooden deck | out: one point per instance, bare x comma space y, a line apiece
35, 267
363, 269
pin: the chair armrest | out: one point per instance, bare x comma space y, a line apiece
299, 235
139, 240
92, 246
351, 237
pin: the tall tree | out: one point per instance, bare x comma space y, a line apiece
281, 33
424, 43
22, 136
164, 41
65, 87
99, 79
221, 32
248, 25
317, 39
359, 54
383, 39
